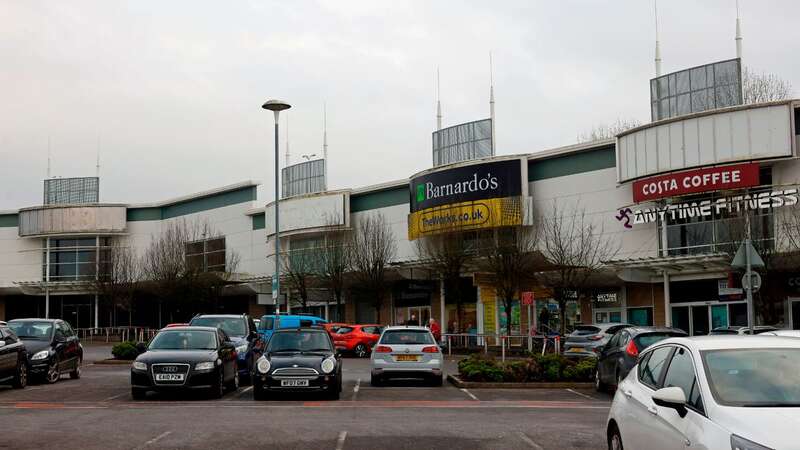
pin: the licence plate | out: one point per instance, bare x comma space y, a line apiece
169, 377
294, 383
407, 357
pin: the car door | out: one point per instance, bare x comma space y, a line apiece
73, 345
616, 361
227, 354
642, 426
682, 373
8, 356
60, 345
605, 364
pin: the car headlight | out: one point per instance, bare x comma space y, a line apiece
138, 365
263, 365
740, 443
242, 348
40, 355
207, 365
328, 365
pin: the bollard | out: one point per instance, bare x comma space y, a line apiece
449, 347
503, 346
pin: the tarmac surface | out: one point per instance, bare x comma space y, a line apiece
97, 412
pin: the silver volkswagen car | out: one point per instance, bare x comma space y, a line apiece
406, 352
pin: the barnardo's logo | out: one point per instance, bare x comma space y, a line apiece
432, 191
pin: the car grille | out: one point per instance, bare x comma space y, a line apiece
171, 368
295, 372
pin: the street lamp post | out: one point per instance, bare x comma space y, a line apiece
276, 106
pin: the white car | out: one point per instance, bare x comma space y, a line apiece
406, 352
784, 333
712, 392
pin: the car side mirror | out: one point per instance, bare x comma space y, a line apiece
141, 347
671, 397
2, 344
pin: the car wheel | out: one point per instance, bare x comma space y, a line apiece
599, 386
259, 393
335, 394
615, 440
361, 350
76, 372
376, 380
21, 379
218, 389
138, 393
53, 372
437, 381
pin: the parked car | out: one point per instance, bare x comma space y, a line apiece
589, 340
406, 352
242, 331
52, 346
186, 358
298, 360
13, 358
333, 327
621, 353
712, 393
176, 324
784, 333
740, 330
271, 323
358, 339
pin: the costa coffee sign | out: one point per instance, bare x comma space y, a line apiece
694, 181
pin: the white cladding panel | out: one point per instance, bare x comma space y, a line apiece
71, 219
20, 259
309, 212
755, 132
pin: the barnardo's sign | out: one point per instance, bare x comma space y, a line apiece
694, 181
466, 198
727, 205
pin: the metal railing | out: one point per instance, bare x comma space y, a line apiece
486, 341
116, 334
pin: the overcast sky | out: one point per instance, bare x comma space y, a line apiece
170, 91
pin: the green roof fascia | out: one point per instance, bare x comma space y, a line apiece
572, 164
9, 220
195, 205
379, 199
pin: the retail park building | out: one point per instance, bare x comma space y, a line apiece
664, 194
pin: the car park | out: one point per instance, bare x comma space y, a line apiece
271, 323
52, 347
589, 340
710, 392
242, 331
741, 330
298, 360
13, 359
621, 353
186, 358
406, 352
358, 339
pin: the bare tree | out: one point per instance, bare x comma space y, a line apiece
608, 131
575, 247
118, 277
299, 267
448, 255
334, 261
764, 87
511, 260
372, 248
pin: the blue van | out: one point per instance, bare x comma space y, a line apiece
271, 322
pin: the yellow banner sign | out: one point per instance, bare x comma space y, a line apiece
472, 215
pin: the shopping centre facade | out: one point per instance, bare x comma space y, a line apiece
666, 195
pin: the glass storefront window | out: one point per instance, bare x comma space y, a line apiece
75, 259
640, 316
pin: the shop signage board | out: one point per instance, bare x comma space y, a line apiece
695, 181
471, 197
527, 298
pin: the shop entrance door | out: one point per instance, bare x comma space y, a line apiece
422, 314
698, 320
795, 307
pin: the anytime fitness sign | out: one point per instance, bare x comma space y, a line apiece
694, 181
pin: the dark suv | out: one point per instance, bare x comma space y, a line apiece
13, 359
242, 331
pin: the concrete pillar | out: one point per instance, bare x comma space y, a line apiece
442, 319
667, 310
96, 311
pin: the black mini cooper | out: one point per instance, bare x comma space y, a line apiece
298, 360
186, 358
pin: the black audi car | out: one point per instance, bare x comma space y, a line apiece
13, 358
186, 358
52, 345
298, 360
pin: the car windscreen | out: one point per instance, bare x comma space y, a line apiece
30, 329
184, 340
646, 340
299, 341
266, 323
233, 326
344, 330
585, 330
407, 337
754, 377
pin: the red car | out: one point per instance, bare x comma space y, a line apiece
332, 328
358, 339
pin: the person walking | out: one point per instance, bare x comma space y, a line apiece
436, 330
544, 320
413, 321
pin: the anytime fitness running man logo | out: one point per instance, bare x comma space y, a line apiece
623, 217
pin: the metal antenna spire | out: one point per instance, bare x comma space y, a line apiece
738, 32
658, 44
491, 99
438, 102
287, 140
325, 144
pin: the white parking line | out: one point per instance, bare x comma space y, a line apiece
113, 397
156, 439
581, 394
340, 441
529, 441
464, 390
356, 388
244, 391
